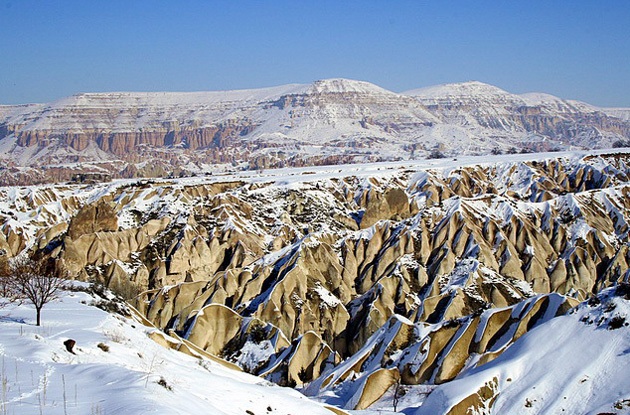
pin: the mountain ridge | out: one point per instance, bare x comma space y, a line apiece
329, 121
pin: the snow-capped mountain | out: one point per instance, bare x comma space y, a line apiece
326, 122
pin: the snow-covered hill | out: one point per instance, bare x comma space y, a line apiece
574, 364
116, 368
348, 282
327, 122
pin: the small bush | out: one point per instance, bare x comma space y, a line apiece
258, 333
162, 382
116, 336
233, 346
452, 323
594, 301
608, 307
616, 322
103, 347
436, 154
623, 290
303, 375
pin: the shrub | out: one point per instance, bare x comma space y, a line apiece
258, 333
436, 154
623, 290
616, 322
452, 323
162, 382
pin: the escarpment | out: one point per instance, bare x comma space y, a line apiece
354, 282
332, 121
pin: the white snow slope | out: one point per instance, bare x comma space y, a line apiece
573, 364
39, 376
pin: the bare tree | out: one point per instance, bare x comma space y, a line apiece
32, 281
399, 392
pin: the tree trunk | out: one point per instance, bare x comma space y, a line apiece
39, 316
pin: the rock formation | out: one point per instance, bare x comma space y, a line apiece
351, 282
334, 121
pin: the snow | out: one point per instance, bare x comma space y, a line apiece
623, 113
327, 297
456, 89
572, 364
332, 117
32, 206
41, 376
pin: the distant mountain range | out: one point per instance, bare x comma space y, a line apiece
128, 134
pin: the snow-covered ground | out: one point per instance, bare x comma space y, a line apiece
573, 364
293, 175
134, 376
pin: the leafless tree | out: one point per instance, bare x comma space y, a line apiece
399, 392
32, 281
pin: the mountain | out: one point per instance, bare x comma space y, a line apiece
534, 116
357, 283
131, 134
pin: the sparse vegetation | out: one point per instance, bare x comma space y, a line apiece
27, 279
162, 382
303, 375
616, 322
257, 333
399, 392
436, 154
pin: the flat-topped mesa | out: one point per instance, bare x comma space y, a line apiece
327, 121
535, 114
461, 89
343, 86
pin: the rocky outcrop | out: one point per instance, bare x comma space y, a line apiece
92, 219
562, 354
338, 283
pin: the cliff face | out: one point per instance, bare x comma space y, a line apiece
541, 114
329, 121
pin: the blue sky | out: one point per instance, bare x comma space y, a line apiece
573, 49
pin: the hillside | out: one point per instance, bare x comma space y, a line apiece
345, 281
334, 121
117, 368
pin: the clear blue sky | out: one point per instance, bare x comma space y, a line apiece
573, 49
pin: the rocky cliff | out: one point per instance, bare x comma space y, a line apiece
328, 122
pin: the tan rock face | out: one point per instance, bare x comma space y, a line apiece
92, 219
306, 275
